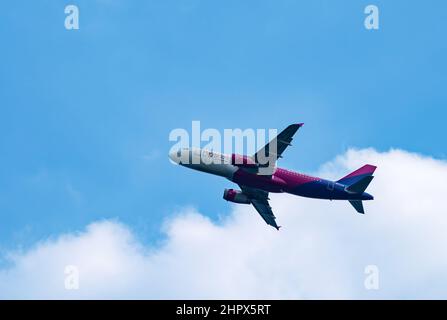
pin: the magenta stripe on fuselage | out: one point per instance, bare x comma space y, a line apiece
282, 180
293, 178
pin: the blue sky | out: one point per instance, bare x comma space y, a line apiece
86, 114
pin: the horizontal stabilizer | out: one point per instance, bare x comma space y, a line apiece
358, 206
361, 185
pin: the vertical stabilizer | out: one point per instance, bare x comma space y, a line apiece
357, 175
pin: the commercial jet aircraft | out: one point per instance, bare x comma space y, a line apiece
257, 178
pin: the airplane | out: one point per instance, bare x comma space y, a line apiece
257, 178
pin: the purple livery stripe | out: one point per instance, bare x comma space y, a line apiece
366, 170
282, 180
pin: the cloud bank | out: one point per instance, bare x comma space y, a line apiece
321, 251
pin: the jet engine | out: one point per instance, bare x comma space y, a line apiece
236, 196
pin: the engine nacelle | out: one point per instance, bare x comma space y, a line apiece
236, 196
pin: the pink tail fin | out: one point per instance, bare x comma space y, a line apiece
357, 175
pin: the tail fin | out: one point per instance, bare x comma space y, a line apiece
357, 182
358, 175
360, 186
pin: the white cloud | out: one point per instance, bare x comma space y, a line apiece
321, 251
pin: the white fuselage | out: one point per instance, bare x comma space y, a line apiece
205, 160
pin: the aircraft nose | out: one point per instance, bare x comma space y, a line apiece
175, 156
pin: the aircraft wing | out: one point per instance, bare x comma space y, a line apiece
272, 151
259, 200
